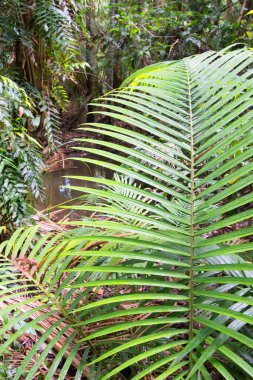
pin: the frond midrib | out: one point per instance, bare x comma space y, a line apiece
192, 210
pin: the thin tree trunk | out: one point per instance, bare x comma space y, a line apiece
242, 11
229, 9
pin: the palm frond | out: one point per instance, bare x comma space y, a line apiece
201, 108
34, 290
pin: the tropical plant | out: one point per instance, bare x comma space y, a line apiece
39, 45
158, 284
39, 49
20, 158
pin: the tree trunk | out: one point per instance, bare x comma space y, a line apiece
229, 9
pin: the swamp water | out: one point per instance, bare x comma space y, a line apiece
58, 178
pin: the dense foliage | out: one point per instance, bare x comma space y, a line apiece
157, 283
146, 288
130, 34
39, 44
39, 54
20, 159
64, 53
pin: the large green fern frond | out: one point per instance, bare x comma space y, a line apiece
190, 247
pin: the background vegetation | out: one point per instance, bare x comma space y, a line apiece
64, 53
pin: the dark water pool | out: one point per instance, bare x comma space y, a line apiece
59, 177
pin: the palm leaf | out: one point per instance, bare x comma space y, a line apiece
186, 200
31, 297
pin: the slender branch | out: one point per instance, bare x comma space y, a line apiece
172, 47
97, 77
241, 11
